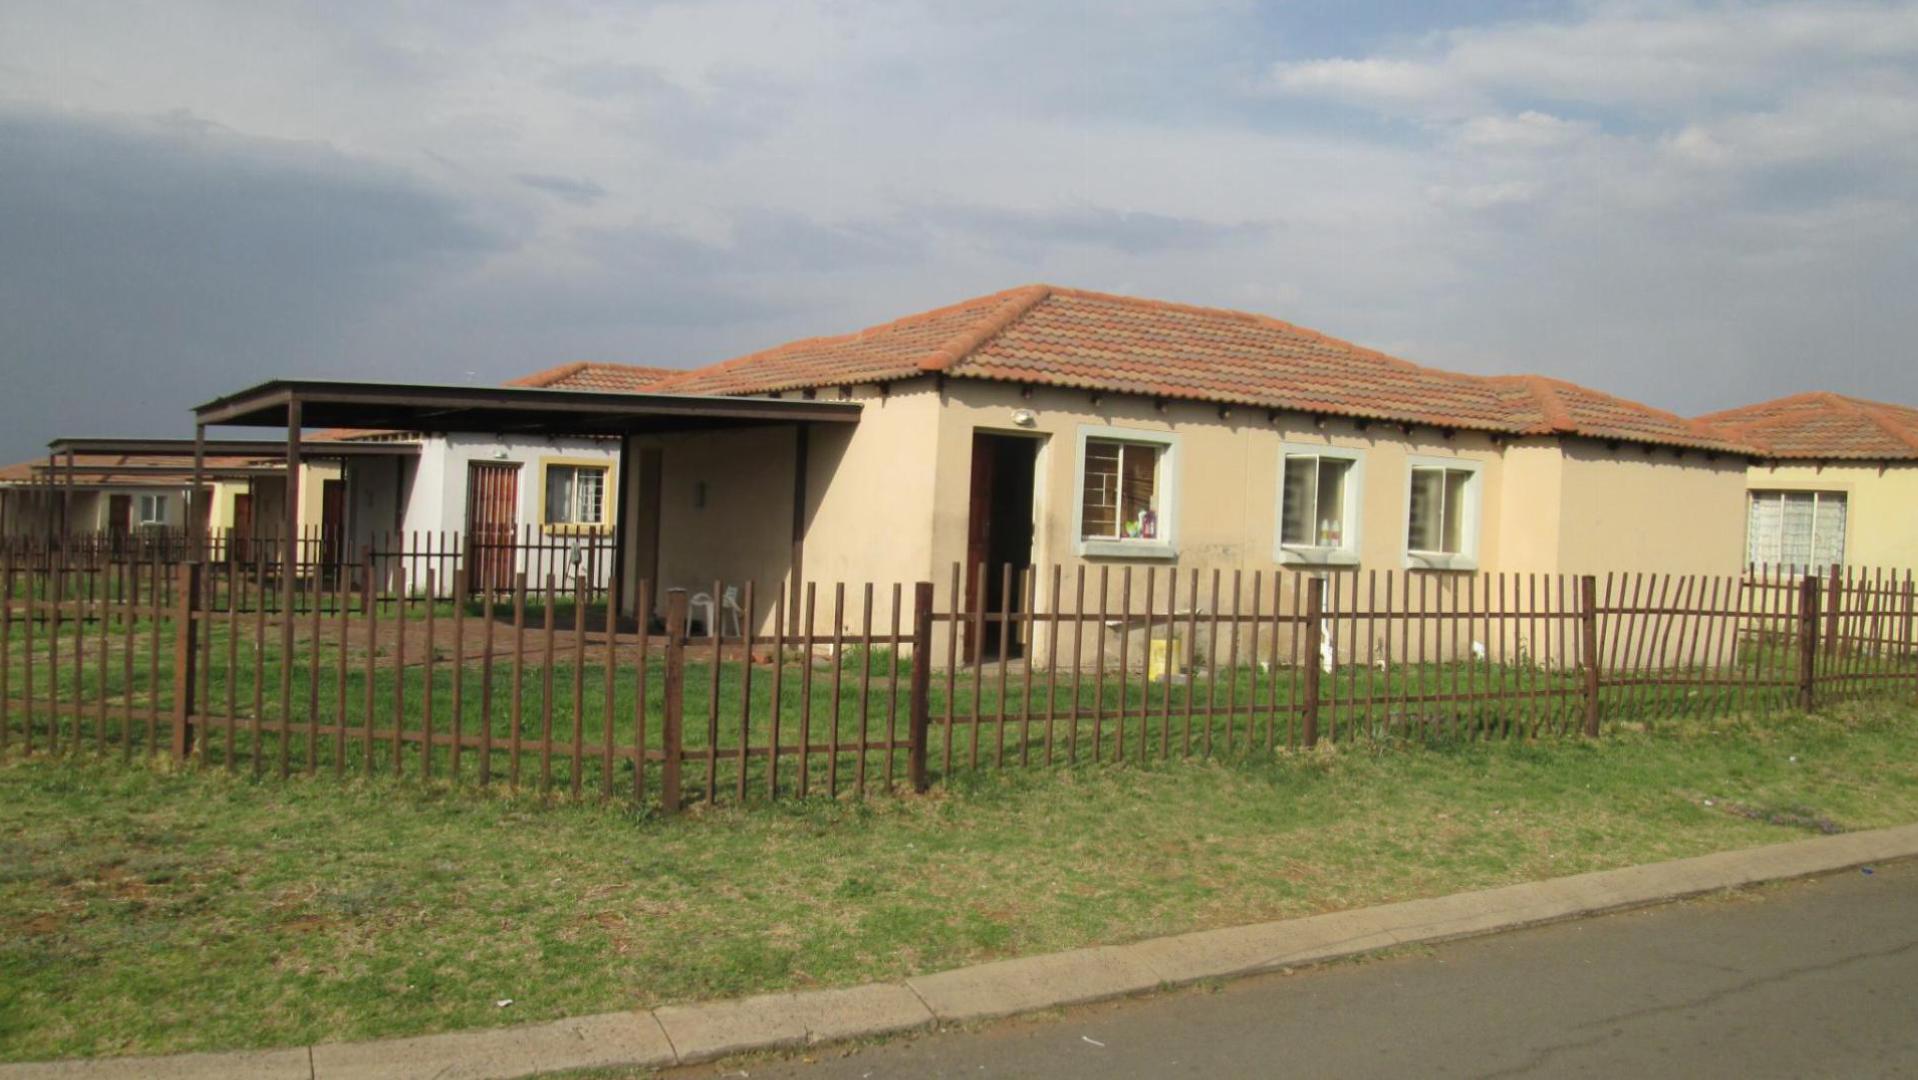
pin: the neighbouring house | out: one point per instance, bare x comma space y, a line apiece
1052, 426
97, 494
1835, 481
533, 501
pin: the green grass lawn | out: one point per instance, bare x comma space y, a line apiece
145, 908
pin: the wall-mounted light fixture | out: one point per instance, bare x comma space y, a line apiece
1024, 417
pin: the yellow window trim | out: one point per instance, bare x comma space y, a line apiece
609, 500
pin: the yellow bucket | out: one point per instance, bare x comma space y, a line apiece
1162, 656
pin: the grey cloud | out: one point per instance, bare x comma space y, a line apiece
150, 265
738, 108
762, 242
1029, 234
578, 191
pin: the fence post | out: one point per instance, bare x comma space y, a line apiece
366, 578
186, 658
1314, 644
1833, 611
1808, 593
1905, 639
920, 715
1588, 648
671, 726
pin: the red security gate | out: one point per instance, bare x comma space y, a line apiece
492, 506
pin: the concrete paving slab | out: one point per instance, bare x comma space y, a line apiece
1343, 933
1007, 987
862, 1012
590, 1042
769, 1021
1227, 953
291, 1064
719, 1028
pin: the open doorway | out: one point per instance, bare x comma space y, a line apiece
999, 531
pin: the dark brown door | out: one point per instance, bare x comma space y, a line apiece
240, 543
119, 520
492, 508
332, 525
999, 531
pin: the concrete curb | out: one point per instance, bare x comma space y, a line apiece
686, 1034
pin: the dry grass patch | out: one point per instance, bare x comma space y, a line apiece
147, 909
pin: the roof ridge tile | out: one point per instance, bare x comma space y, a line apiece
1018, 303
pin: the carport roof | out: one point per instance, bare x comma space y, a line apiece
131, 449
430, 408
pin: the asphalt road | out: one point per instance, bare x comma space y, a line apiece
1815, 978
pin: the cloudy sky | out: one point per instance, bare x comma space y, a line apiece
1697, 206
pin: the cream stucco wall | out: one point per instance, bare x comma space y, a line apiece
725, 507
269, 500
889, 499
1531, 505
1881, 526
1226, 482
1629, 510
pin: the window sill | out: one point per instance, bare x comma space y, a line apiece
1435, 560
576, 530
1317, 556
1127, 549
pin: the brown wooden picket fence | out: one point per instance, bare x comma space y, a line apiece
865, 688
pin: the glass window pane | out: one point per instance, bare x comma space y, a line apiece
559, 494
1828, 533
1427, 510
1138, 502
1763, 527
1330, 531
1099, 501
1795, 535
591, 485
1298, 504
1457, 482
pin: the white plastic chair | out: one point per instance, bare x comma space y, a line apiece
730, 600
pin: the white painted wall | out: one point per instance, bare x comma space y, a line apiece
433, 491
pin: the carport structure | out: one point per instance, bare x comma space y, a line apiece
119, 463
430, 409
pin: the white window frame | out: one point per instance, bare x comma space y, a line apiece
1347, 553
140, 503
547, 465
1467, 559
1165, 491
1819, 495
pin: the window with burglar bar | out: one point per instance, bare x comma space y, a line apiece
575, 495
1803, 529
1120, 497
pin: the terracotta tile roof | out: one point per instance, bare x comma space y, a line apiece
1554, 406
1824, 425
900, 349
619, 378
1051, 336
